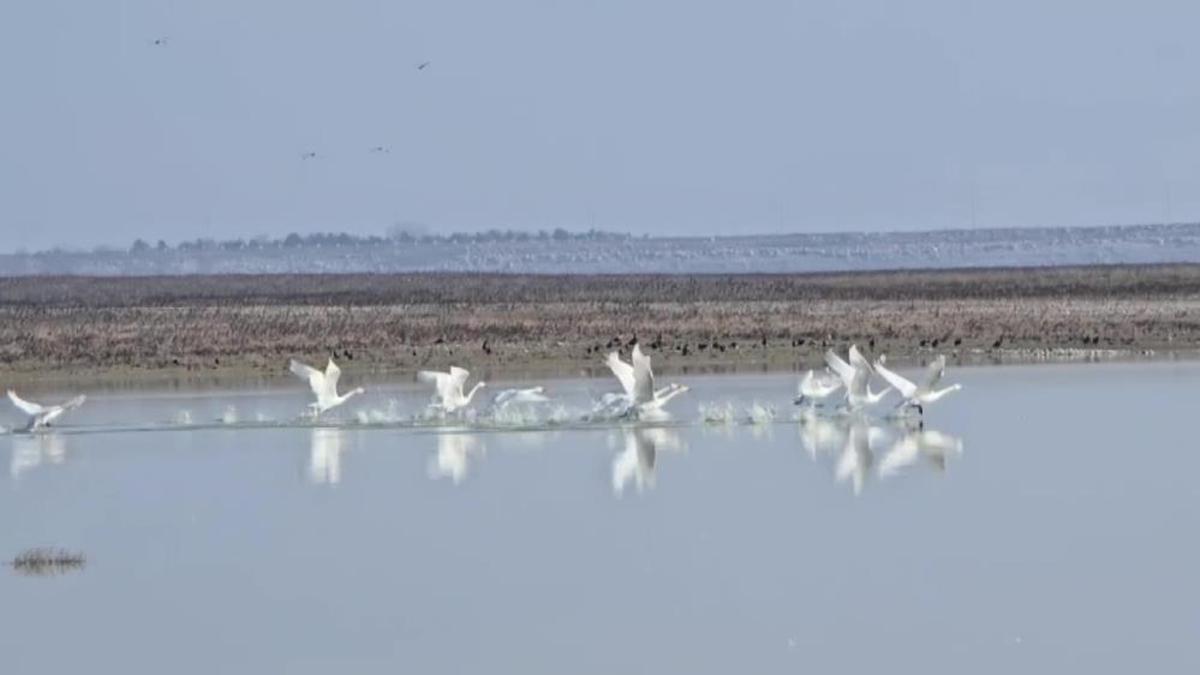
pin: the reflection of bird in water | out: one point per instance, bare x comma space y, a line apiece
325, 455
28, 452
933, 445
857, 458
914, 395
821, 435
454, 454
637, 462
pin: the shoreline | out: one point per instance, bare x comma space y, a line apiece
146, 329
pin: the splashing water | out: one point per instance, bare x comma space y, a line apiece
183, 418
759, 413
230, 416
717, 413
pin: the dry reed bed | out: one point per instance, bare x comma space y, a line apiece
404, 321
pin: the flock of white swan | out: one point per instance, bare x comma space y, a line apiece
831, 404
845, 383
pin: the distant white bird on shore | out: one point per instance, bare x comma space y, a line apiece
42, 415
918, 396
856, 377
637, 381
448, 388
814, 388
324, 385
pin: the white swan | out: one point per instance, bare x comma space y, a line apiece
324, 385
856, 377
532, 395
814, 388
918, 396
42, 415
448, 388
637, 381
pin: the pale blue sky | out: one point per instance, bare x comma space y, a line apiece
661, 117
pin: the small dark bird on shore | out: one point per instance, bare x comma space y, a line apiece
487, 348
999, 341
957, 341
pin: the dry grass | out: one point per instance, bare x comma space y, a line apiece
407, 321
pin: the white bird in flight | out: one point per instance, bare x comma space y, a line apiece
42, 415
856, 377
324, 385
814, 388
448, 388
637, 381
918, 396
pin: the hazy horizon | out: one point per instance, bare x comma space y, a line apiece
666, 119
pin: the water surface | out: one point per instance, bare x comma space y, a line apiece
1043, 518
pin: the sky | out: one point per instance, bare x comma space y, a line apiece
659, 117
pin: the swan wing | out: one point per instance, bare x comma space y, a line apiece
443, 383
27, 407
898, 382
643, 377
844, 370
623, 371
74, 403
934, 371
332, 374
314, 377
858, 360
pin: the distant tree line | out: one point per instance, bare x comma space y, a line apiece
399, 235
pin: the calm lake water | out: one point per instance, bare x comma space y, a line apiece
1044, 519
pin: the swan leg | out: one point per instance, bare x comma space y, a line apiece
799, 400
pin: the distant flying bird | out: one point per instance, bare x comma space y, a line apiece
423, 65
42, 415
159, 42
324, 385
380, 148
308, 155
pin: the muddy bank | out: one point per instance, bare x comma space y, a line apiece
196, 326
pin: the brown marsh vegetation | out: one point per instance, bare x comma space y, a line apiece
404, 321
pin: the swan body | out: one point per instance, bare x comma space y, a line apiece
637, 381
518, 396
323, 384
42, 415
856, 378
448, 388
815, 388
914, 395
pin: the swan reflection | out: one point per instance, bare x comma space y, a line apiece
856, 441
935, 446
325, 455
32, 450
455, 452
636, 463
